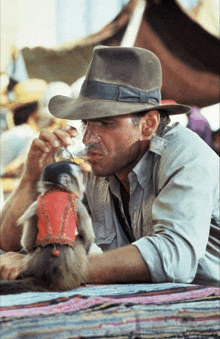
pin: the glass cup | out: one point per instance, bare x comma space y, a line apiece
76, 152
64, 154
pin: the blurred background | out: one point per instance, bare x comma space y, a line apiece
46, 47
48, 23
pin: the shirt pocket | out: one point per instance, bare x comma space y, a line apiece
100, 205
105, 234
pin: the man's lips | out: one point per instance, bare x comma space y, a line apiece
93, 156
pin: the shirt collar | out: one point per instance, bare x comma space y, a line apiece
144, 168
157, 144
141, 172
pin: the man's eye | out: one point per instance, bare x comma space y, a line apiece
105, 123
101, 123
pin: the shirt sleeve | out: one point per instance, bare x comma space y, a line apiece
181, 212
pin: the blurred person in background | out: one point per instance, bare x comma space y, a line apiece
16, 141
195, 121
30, 115
6, 119
29, 110
46, 119
200, 125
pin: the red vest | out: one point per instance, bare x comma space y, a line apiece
57, 218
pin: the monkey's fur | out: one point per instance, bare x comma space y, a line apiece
43, 271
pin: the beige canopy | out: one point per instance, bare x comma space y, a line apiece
189, 54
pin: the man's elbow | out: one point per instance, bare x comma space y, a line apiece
183, 276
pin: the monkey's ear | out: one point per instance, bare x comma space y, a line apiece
29, 222
65, 180
28, 213
29, 234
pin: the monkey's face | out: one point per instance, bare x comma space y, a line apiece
64, 174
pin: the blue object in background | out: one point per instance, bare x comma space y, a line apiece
77, 19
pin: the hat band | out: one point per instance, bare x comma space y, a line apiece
100, 90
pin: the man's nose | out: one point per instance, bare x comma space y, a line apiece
90, 136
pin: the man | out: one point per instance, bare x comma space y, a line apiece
153, 192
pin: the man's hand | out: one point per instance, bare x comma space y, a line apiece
11, 265
42, 149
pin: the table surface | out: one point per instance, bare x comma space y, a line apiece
114, 311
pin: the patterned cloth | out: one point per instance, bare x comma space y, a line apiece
150, 311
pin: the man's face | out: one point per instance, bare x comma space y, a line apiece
114, 144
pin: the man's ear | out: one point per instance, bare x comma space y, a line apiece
150, 123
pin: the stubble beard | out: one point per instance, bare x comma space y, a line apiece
119, 163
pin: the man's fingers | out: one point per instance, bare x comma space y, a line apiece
10, 274
11, 265
85, 167
51, 140
65, 135
44, 146
48, 141
14, 273
71, 130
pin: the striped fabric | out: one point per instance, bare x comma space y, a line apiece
137, 311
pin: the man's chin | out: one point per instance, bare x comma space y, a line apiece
99, 171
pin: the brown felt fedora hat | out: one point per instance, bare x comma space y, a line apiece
119, 81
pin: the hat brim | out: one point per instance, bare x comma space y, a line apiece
12, 106
84, 108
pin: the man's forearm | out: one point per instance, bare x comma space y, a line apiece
39, 156
123, 265
13, 208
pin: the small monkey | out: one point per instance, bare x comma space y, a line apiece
56, 258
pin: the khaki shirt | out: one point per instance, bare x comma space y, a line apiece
174, 208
